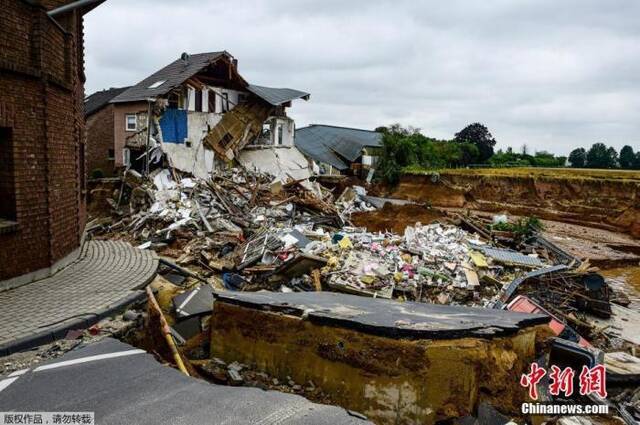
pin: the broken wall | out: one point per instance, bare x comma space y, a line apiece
281, 162
192, 156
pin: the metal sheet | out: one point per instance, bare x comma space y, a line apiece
509, 257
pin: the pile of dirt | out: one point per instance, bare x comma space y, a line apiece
395, 218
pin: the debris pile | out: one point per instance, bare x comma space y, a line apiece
245, 231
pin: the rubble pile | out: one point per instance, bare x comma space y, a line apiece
429, 263
203, 222
245, 231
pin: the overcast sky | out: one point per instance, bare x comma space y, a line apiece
552, 74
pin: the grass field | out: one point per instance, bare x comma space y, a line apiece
567, 173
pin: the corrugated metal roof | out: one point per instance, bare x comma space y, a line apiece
335, 145
94, 102
174, 74
277, 96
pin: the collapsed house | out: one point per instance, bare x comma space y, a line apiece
203, 114
335, 150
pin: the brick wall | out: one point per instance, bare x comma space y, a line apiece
100, 139
42, 102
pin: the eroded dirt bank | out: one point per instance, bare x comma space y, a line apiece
602, 203
394, 218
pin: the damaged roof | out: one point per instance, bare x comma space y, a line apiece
172, 75
277, 96
178, 71
94, 102
334, 145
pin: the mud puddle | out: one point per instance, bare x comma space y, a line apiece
627, 280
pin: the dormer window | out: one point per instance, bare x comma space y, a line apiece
157, 84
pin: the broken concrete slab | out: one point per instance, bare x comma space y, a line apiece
388, 318
622, 368
282, 162
389, 360
196, 302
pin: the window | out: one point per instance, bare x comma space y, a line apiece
157, 84
212, 101
225, 102
131, 122
174, 101
198, 100
126, 157
280, 129
111, 154
7, 179
226, 140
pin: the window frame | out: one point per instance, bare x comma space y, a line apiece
225, 101
126, 122
157, 84
9, 215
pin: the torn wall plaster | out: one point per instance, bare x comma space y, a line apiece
192, 156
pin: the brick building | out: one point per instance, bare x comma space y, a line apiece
42, 149
100, 117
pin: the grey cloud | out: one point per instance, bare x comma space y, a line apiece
552, 74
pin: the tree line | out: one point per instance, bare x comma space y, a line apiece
603, 156
406, 147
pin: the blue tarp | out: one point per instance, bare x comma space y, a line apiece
174, 126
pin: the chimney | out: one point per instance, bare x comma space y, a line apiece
235, 63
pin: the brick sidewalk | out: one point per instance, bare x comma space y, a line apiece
108, 275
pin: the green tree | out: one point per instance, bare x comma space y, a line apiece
578, 158
627, 158
479, 135
469, 153
599, 156
613, 157
388, 167
546, 159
